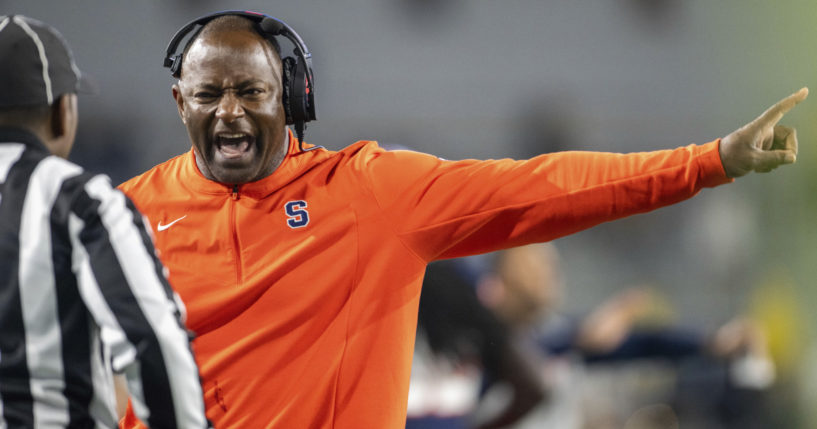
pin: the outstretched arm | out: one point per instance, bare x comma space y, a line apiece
762, 145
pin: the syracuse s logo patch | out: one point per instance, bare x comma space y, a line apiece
297, 215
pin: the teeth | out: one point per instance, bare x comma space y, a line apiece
232, 136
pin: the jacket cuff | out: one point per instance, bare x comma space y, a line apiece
711, 172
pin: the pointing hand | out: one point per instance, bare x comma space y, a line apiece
762, 145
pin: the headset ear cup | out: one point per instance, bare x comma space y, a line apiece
309, 94
287, 78
298, 93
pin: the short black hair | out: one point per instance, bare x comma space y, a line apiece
229, 23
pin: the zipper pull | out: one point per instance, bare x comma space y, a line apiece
235, 192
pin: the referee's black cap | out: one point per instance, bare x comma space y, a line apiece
36, 64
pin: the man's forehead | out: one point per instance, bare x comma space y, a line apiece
229, 54
235, 44
238, 40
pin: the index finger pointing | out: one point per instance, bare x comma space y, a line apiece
773, 114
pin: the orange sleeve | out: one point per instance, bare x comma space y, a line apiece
130, 421
443, 209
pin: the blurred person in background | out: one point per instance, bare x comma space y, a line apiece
526, 290
461, 346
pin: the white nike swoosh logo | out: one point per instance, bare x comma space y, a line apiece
161, 227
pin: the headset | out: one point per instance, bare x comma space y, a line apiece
298, 95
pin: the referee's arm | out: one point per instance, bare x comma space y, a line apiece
141, 318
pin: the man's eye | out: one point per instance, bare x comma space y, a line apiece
253, 91
204, 94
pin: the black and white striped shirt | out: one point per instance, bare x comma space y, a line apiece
82, 296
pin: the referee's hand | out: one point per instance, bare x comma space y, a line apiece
762, 145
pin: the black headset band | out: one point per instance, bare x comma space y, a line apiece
267, 24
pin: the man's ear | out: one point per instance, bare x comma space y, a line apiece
177, 95
64, 116
62, 125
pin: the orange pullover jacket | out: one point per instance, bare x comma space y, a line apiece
303, 287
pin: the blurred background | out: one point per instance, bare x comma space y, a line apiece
490, 79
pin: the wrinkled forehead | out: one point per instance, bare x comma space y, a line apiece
233, 51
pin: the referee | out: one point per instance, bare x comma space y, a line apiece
82, 294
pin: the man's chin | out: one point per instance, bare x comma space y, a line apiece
233, 173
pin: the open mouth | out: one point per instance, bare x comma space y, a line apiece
234, 145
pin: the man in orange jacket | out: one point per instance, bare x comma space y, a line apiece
301, 267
